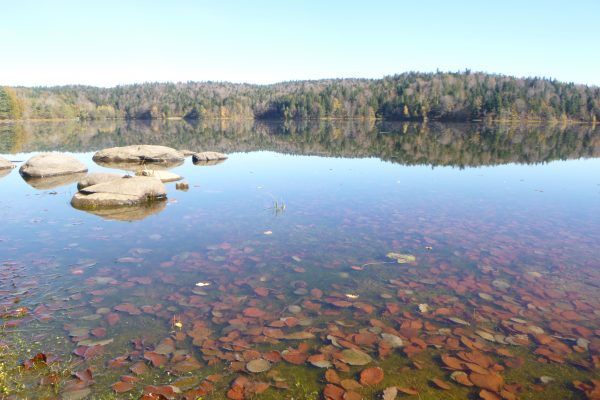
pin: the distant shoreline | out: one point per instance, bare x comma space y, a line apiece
443, 97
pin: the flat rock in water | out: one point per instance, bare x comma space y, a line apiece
164, 176
51, 164
96, 178
258, 365
208, 158
393, 340
126, 191
139, 154
355, 357
5, 164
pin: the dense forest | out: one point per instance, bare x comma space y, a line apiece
461, 96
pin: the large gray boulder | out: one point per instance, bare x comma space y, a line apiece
139, 154
96, 178
51, 164
5, 164
126, 191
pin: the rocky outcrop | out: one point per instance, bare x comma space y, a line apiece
5, 164
96, 178
164, 176
140, 154
51, 164
126, 191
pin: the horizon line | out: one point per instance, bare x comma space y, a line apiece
232, 82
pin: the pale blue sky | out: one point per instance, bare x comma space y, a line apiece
112, 42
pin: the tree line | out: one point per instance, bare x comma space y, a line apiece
441, 96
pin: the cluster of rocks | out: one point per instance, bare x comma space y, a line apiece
113, 195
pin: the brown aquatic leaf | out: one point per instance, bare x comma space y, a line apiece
168, 391
476, 357
112, 318
486, 395
128, 308
350, 384
294, 356
452, 362
122, 387
261, 291
332, 377
341, 303
274, 356
440, 384
333, 392
365, 339
98, 332
139, 368
93, 352
118, 362
85, 376
157, 360
371, 376
187, 365
411, 391
492, 381
350, 395
254, 312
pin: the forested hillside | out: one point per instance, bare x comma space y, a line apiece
439, 96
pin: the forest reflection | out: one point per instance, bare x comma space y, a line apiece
435, 144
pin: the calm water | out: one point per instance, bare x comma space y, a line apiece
502, 223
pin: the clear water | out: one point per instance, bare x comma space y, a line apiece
503, 223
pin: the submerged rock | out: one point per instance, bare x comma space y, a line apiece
96, 178
5, 164
51, 164
126, 191
355, 357
208, 158
164, 176
139, 154
258, 365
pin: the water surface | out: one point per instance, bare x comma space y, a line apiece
502, 223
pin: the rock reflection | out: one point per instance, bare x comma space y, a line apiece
52, 182
138, 167
129, 213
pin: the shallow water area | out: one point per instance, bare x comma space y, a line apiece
460, 269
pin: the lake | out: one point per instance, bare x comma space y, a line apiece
332, 259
